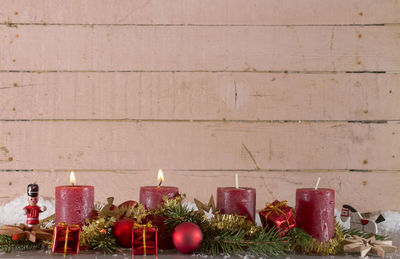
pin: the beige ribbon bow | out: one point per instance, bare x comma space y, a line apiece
364, 246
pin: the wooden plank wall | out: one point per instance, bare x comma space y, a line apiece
279, 91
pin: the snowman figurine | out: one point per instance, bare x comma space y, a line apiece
32, 210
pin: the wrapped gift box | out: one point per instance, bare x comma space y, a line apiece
66, 239
144, 240
279, 215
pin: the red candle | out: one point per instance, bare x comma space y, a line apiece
152, 196
242, 201
74, 203
315, 212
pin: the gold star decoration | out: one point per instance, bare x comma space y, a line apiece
206, 208
23, 231
364, 246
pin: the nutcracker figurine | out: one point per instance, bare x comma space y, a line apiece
32, 210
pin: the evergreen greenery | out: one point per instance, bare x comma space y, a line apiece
104, 241
7, 244
355, 232
236, 241
234, 236
176, 213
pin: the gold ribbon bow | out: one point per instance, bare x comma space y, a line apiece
270, 207
148, 225
66, 234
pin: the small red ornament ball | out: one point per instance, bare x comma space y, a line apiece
122, 231
187, 237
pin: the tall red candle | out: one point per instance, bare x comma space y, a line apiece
315, 212
152, 196
74, 204
242, 201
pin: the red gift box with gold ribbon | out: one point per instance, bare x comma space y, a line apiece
66, 239
144, 239
279, 215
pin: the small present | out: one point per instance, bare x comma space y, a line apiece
144, 239
66, 239
279, 215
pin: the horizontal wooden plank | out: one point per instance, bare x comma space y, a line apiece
180, 48
350, 187
205, 12
198, 145
199, 96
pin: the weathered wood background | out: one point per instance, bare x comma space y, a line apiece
280, 91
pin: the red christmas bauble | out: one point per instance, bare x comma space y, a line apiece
187, 237
122, 231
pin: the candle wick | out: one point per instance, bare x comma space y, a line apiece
317, 183
237, 181
160, 183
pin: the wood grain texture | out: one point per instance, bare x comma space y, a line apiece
205, 12
198, 145
117, 89
351, 187
179, 48
199, 96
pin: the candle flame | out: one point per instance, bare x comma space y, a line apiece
72, 178
160, 176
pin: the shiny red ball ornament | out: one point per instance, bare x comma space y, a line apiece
122, 231
187, 237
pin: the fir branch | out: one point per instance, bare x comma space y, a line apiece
268, 243
94, 228
223, 242
7, 244
178, 213
104, 241
300, 241
236, 241
355, 232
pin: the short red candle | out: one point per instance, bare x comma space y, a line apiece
152, 196
315, 212
74, 204
242, 201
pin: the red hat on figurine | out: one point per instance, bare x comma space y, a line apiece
33, 190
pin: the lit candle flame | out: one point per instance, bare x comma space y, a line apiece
72, 178
160, 177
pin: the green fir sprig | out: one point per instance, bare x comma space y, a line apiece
104, 241
355, 232
7, 244
236, 241
175, 212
